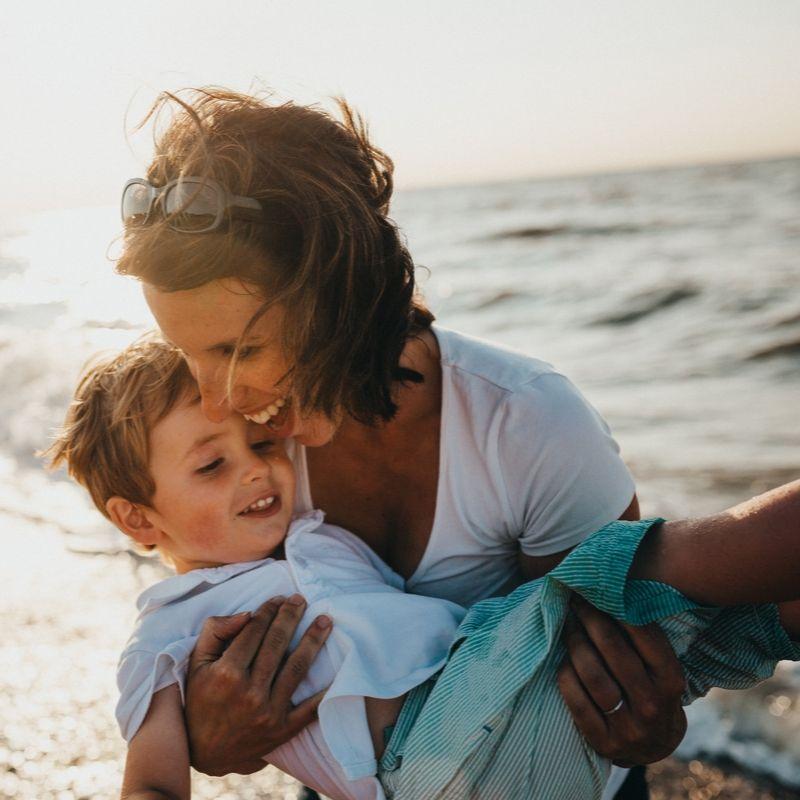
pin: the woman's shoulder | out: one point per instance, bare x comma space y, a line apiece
509, 394
505, 367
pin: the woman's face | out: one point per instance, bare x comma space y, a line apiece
205, 323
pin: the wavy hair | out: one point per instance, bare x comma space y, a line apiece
325, 248
105, 438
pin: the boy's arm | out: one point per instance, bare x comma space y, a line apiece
157, 766
748, 554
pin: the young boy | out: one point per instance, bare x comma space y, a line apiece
216, 500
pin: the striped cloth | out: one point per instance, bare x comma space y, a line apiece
493, 725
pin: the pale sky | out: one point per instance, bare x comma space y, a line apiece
455, 90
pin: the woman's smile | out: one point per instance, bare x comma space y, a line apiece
274, 413
206, 324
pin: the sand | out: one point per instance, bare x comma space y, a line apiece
65, 616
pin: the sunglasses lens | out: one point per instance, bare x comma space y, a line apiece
192, 206
135, 204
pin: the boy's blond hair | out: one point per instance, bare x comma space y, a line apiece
105, 437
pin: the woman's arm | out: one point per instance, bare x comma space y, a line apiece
157, 766
239, 686
747, 554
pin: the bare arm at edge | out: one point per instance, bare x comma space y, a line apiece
157, 765
747, 554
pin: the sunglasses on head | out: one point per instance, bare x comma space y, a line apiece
189, 205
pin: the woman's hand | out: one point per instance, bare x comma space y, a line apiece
239, 688
622, 685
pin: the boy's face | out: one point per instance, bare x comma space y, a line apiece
224, 490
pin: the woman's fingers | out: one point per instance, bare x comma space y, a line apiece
610, 657
238, 702
299, 661
275, 642
589, 668
650, 722
304, 713
214, 638
658, 656
587, 717
244, 647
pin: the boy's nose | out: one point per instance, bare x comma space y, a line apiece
256, 469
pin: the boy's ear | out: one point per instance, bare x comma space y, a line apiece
132, 520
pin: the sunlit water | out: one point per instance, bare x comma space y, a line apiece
672, 298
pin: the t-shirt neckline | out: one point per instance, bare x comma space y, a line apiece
307, 500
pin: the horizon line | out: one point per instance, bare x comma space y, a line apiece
722, 161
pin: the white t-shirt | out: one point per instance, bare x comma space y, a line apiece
525, 463
366, 655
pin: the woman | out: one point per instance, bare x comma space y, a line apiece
262, 239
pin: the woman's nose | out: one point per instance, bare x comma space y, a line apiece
213, 396
215, 407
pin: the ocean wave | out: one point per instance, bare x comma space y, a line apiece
545, 231
646, 303
756, 728
499, 298
777, 350
785, 322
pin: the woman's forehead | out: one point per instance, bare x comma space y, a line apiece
214, 313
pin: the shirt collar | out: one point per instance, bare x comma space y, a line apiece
177, 586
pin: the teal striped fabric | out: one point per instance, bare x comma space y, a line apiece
492, 725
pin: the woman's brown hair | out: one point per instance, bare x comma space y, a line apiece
325, 249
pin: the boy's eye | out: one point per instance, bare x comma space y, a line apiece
211, 466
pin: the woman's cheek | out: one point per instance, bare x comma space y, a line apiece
265, 374
316, 431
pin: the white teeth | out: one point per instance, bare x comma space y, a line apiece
261, 418
266, 414
260, 504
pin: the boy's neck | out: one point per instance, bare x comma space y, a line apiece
182, 567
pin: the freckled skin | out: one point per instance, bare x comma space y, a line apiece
201, 491
205, 323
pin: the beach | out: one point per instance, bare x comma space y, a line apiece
671, 298
66, 616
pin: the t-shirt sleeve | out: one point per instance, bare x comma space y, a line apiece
562, 468
140, 674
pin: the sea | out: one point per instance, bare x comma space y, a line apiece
671, 297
